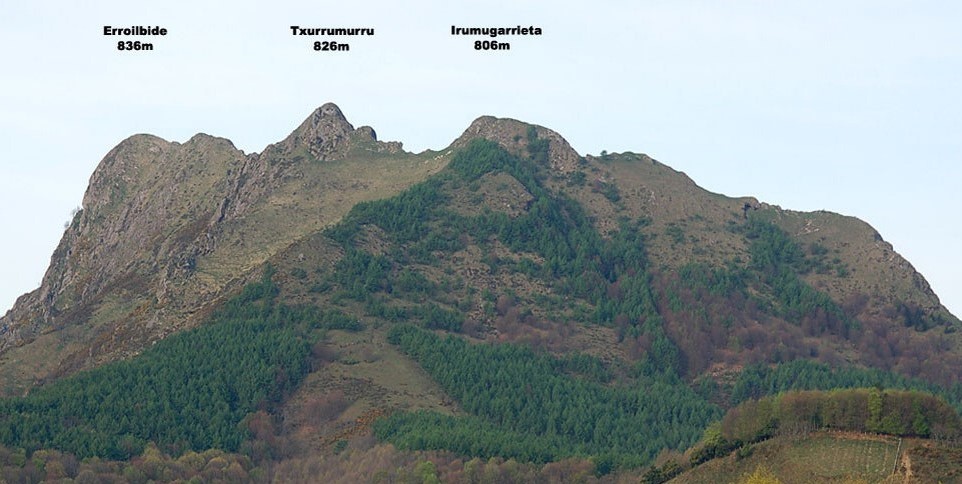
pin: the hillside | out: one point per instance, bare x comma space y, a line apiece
502, 298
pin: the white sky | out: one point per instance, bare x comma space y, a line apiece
853, 107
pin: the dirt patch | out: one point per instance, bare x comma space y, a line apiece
907, 467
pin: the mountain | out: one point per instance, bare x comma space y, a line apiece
596, 276
167, 230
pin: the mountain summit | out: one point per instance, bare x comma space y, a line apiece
324, 134
513, 135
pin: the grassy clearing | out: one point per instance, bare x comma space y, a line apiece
367, 356
820, 458
828, 458
365, 376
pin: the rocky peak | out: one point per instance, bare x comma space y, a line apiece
513, 136
324, 134
121, 166
150, 204
367, 133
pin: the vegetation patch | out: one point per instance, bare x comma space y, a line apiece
779, 260
188, 392
521, 406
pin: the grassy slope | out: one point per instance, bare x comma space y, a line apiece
669, 198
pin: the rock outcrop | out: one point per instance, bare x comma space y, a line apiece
513, 136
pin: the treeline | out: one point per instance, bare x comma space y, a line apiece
524, 405
188, 391
894, 412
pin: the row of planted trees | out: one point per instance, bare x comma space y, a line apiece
893, 412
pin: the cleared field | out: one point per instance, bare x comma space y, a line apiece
823, 457
827, 458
